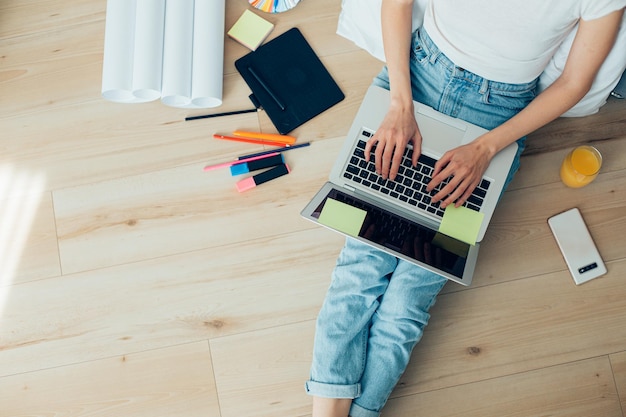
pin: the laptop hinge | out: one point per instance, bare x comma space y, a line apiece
349, 187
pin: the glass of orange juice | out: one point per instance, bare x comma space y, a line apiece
581, 166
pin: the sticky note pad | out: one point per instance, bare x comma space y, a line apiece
461, 223
342, 217
250, 30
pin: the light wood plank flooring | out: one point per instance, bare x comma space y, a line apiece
132, 283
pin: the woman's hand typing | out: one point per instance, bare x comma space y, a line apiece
397, 129
465, 166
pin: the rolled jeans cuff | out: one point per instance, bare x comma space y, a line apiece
358, 411
320, 389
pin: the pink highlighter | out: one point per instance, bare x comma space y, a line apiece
258, 179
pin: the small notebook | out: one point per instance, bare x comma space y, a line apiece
250, 30
288, 81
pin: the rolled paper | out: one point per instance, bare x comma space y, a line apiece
168, 49
208, 53
177, 53
117, 67
148, 54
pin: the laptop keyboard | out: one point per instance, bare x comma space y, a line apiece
409, 187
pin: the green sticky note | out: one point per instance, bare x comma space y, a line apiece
250, 30
451, 245
343, 217
461, 223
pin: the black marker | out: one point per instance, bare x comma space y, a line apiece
258, 179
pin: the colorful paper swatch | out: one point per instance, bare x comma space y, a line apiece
274, 6
250, 30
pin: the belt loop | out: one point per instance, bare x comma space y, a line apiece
484, 86
429, 47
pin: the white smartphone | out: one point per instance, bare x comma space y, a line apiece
579, 251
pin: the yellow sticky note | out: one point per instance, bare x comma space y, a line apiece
343, 217
461, 223
250, 30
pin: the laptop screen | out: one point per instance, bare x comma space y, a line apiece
399, 234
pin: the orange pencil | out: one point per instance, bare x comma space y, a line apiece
250, 140
272, 137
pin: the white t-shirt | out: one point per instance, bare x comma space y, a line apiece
511, 44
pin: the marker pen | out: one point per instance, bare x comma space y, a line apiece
258, 179
263, 163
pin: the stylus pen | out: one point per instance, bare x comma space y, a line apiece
228, 113
285, 149
266, 88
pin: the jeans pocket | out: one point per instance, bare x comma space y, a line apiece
512, 100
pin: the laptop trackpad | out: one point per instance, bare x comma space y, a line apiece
438, 136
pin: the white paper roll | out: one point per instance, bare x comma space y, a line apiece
177, 53
117, 68
208, 53
148, 54
168, 49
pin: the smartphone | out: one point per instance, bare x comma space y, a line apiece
579, 251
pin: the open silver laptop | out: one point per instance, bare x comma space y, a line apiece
398, 216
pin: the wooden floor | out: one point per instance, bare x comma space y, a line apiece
135, 284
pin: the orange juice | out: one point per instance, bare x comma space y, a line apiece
581, 166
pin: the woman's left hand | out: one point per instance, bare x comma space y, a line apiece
465, 166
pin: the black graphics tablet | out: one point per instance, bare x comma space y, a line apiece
288, 81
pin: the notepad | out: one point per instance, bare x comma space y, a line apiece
461, 223
250, 30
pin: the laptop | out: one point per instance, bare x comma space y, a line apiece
398, 216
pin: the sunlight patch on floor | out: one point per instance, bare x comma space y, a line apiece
20, 196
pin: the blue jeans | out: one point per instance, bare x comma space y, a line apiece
377, 305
